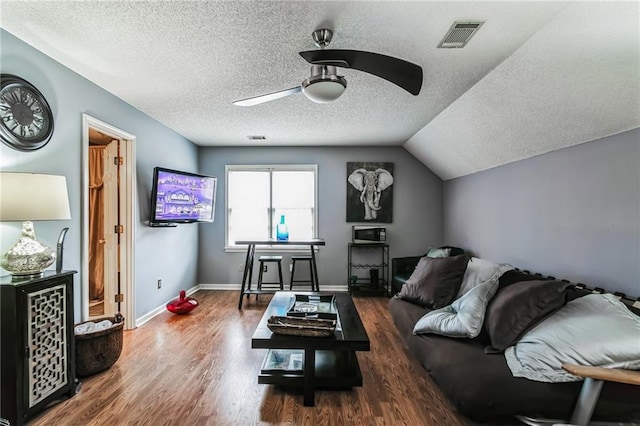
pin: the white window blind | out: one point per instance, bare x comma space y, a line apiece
258, 195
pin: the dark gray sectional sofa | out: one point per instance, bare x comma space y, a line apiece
482, 387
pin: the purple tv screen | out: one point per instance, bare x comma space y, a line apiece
184, 197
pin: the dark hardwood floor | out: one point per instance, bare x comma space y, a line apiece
199, 369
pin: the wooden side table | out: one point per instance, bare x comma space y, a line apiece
594, 377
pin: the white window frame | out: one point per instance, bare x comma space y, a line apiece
269, 167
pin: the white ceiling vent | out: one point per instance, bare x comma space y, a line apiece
459, 34
257, 137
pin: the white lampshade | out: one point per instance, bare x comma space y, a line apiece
323, 91
27, 197
30, 196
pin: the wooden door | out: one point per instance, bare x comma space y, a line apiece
111, 180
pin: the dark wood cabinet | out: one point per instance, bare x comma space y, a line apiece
37, 347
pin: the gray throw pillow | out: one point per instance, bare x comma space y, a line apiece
520, 306
596, 330
464, 317
435, 281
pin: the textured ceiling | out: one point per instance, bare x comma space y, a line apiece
536, 77
574, 81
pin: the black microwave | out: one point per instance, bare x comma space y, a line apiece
361, 234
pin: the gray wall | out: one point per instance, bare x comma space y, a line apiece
170, 254
572, 213
417, 206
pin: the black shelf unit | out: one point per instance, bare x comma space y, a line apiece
363, 284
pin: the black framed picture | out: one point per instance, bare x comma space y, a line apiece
369, 192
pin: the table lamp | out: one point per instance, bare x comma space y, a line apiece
31, 197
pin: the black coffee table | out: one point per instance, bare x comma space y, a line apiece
329, 362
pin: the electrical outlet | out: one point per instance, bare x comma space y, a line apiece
264, 269
159, 283
240, 267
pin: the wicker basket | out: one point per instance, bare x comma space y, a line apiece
309, 327
99, 350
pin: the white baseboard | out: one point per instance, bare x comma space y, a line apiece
334, 287
236, 287
232, 287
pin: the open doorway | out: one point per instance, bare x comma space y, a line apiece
104, 221
108, 225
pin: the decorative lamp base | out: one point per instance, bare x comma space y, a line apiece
28, 257
25, 277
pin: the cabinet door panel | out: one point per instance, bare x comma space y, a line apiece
47, 338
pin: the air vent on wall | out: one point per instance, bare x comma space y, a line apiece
459, 34
257, 137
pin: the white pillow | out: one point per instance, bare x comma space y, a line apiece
438, 252
464, 317
596, 329
480, 271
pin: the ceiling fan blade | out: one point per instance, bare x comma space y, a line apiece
266, 98
397, 71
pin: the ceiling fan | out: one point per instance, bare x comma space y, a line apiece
325, 85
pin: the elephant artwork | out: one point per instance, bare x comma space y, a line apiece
369, 196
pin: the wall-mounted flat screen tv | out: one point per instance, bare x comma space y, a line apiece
182, 197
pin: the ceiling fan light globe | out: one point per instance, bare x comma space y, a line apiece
324, 91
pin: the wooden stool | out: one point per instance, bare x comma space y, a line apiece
270, 259
294, 259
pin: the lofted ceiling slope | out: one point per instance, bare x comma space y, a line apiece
538, 76
574, 81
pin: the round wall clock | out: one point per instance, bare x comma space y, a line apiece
26, 120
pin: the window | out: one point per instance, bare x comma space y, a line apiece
258, 195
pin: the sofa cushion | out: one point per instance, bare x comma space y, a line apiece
516, 276
465, 316
435, 281
520, 306
596, 329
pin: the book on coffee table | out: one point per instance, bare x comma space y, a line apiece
283, 361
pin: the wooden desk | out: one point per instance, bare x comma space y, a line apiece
245, 288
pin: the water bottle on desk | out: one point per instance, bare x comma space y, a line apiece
282, 233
